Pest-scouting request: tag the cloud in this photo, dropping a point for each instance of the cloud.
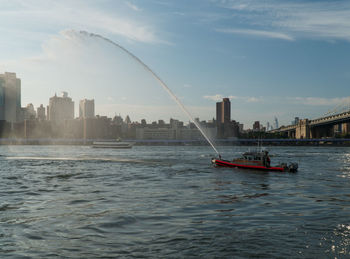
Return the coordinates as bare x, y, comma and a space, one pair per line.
133, 6
317, 19
258, 33
216, 98
219, 97
44, 15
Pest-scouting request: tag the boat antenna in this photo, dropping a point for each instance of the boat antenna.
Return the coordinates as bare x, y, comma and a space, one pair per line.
259, 142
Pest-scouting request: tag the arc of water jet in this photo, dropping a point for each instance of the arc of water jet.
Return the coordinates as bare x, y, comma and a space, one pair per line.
160, 81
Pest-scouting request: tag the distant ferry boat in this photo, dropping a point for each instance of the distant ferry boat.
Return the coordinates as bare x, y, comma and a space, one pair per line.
111, 144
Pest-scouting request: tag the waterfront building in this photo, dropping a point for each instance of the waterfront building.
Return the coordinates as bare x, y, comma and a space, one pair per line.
34, 129
165, 133
175, 130
87, 108
73, 129
60, 108
155, 133
187, 133
175, 123
10, 97
99, 127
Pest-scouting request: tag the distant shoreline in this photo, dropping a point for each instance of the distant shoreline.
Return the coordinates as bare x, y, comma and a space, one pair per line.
232, 142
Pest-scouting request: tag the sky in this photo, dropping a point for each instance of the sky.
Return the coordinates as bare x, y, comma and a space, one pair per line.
281, 59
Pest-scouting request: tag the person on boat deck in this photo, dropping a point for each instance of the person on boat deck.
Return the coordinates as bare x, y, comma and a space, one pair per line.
267, 159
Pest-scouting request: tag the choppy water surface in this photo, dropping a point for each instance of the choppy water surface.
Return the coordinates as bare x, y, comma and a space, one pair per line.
79, 202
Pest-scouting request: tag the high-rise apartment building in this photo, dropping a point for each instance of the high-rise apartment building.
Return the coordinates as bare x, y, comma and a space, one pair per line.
87, 108
10, 97
60, 108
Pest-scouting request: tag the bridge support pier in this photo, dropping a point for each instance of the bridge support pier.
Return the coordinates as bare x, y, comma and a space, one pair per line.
345, 129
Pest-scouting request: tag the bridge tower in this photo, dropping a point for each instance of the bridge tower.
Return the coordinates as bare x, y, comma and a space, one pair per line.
302, 130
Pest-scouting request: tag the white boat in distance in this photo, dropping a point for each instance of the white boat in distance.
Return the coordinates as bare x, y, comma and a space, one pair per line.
112, 144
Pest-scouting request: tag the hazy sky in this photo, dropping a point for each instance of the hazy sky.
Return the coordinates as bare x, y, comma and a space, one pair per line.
272, 58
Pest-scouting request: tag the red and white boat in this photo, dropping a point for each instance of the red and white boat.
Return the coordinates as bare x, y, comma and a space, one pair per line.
255, 160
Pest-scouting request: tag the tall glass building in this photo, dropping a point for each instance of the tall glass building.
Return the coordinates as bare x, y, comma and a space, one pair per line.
10, 97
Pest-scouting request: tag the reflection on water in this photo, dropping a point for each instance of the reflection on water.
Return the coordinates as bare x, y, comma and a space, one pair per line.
86, 159
78, 202
338, 241
345, 169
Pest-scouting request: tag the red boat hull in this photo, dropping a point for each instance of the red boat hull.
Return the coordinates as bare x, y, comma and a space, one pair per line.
225, 163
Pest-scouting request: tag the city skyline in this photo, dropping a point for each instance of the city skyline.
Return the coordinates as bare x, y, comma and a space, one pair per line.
272, 59
62, 108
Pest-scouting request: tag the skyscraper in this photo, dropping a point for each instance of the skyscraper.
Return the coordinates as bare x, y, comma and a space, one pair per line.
87, 108
10, 97
276, 123
60, 108
223, 111
28, 113
256, 126
41, 113
223, 118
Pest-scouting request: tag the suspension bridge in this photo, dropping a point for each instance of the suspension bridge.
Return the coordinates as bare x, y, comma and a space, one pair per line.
334, 122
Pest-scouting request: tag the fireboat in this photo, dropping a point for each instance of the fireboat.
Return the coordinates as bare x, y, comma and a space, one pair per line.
257, 160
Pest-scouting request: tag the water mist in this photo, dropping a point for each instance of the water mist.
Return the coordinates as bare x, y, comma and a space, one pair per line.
165, 87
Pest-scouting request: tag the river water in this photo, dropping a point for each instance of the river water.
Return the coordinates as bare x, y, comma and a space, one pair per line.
169, 202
